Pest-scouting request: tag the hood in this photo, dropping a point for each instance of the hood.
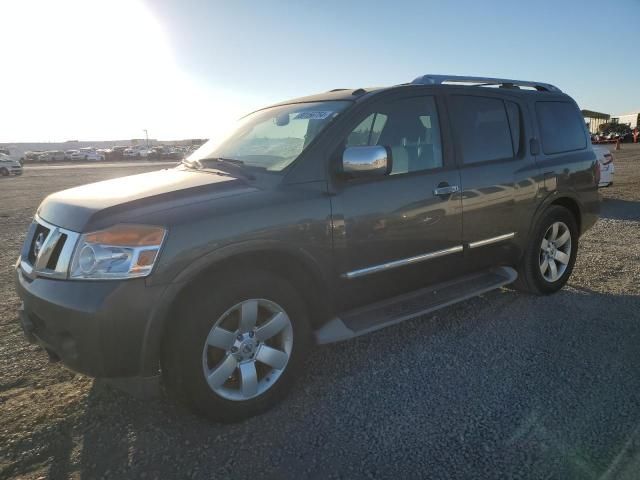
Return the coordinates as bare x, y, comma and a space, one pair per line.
80, 207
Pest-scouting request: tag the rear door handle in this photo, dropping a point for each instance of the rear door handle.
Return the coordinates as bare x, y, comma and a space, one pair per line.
448, 190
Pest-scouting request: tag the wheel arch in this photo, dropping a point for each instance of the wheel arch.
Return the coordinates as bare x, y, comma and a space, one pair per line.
295, 265
567, 200
573, 206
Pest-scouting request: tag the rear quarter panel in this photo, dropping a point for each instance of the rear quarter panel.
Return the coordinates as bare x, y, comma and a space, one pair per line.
568, 174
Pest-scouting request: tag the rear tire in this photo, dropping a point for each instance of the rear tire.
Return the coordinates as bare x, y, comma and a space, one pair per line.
217, 365
551, 253
4, 172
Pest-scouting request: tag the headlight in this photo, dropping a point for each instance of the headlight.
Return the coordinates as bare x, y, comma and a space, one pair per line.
121, 251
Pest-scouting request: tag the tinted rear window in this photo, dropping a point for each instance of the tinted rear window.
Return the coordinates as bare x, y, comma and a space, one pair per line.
482, 128
561, 127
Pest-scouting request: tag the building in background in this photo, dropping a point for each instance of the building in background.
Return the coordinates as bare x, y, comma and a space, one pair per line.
631, 119
595, 119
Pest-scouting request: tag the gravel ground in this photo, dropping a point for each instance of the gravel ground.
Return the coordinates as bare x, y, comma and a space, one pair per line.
504, 385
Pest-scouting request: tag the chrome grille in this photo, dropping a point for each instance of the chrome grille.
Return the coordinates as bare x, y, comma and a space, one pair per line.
48, 250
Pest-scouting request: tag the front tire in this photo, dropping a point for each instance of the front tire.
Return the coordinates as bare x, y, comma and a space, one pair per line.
236, 353
551, 253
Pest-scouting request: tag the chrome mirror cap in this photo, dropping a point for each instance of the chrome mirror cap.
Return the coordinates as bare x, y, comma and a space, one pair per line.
366, 161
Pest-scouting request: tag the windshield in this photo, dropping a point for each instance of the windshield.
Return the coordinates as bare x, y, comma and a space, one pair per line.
271, 138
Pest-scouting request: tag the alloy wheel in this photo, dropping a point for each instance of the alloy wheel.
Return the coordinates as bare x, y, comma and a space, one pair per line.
555, 251
247, 349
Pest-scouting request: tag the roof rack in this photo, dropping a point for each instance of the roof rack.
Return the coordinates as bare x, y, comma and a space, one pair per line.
482, 81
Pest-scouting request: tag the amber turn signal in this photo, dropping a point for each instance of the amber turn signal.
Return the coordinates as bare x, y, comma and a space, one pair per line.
128, 235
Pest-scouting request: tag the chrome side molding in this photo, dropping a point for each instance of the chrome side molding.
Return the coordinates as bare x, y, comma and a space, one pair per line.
402, 262
489, 241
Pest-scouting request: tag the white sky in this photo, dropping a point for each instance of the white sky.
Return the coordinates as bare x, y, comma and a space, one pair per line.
107, 69
78, 69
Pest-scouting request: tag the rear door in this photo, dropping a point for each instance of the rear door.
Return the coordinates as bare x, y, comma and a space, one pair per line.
499, 177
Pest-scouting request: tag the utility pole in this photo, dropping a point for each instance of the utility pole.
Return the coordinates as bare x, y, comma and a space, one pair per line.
146, 134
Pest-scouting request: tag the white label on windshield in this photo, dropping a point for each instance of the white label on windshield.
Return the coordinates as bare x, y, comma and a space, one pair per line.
312, 115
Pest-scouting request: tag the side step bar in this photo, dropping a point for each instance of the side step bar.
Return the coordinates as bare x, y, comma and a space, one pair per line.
388, 312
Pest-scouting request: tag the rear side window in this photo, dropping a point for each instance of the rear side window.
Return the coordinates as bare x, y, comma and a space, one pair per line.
482, 128
561, 127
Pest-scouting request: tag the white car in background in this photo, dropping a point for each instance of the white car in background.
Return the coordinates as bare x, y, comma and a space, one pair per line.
9, 166
69, 155
94, 156
605, 158
87, 154
52, 156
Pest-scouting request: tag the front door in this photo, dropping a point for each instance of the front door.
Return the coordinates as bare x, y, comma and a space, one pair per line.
404, 230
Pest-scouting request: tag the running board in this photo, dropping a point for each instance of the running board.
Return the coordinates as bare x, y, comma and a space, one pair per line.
403, 307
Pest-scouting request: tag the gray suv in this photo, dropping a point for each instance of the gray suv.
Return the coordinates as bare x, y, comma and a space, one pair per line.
316, 220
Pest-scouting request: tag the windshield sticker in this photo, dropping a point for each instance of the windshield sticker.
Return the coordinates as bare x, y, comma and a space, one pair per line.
312, 115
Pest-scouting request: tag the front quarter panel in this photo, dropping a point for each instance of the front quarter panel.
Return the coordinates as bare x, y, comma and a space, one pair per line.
294, 219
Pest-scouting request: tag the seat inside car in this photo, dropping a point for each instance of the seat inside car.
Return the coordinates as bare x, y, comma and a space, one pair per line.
407, 137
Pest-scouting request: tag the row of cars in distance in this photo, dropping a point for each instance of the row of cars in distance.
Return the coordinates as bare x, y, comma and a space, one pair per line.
118, 152
62, 155
81, 154
624, 137
160, 152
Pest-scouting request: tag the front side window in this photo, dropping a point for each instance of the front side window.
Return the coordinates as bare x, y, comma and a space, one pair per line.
561, 127
409, 127
482, 128
271, 139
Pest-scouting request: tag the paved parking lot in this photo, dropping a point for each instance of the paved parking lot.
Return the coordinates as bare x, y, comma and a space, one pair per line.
505, 385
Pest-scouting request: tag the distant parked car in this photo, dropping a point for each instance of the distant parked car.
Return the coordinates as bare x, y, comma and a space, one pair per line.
118, 151
68, 154
9, 166
137, 151
32, 156
107, 153
605, 158
87, 154
94, 156
52, 156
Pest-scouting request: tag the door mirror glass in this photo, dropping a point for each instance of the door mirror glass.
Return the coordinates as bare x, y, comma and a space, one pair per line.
366, 161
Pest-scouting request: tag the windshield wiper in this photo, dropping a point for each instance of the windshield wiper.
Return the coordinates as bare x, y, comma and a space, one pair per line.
229, 165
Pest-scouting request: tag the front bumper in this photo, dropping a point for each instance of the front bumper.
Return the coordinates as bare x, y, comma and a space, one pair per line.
94, 327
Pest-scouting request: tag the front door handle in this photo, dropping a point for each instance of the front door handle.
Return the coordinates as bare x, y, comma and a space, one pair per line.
446, 190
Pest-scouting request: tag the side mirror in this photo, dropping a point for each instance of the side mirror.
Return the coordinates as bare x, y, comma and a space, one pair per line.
366, 161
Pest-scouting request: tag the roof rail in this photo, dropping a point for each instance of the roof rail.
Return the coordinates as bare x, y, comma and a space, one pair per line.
503, 82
